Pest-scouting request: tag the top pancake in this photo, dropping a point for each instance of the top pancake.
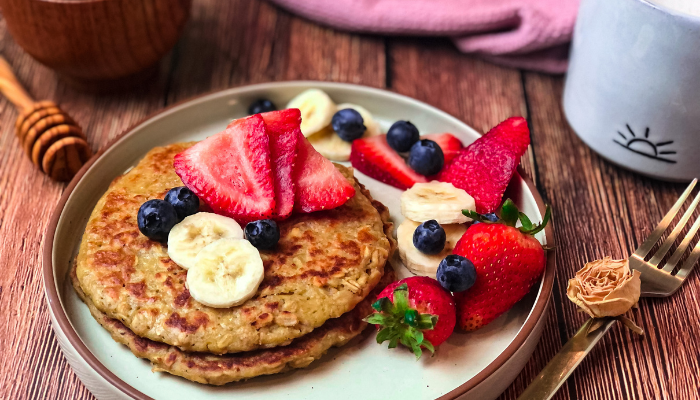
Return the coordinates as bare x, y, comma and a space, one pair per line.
325, 263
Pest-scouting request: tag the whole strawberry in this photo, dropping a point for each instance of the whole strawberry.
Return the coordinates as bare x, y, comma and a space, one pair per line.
416, 312
508, 261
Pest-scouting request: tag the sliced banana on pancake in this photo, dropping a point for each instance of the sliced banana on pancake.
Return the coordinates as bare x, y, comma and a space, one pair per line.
195, 232
331, 146
226, 273
418, 262
316, 109
440, 201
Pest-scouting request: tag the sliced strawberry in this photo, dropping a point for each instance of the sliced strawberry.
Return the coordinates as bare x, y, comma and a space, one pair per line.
231, 171
319, 184
373, 157
484, 168
283, 128
449, 144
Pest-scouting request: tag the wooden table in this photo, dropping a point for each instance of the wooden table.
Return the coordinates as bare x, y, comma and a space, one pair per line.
599, 209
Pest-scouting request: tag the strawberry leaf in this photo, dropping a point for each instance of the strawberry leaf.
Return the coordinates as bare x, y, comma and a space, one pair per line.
537, 228
509, 213
525, 221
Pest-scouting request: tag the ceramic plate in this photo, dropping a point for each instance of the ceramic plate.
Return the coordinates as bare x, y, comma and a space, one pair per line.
480, 364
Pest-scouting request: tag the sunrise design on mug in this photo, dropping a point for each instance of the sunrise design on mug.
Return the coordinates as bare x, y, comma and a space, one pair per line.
645, 147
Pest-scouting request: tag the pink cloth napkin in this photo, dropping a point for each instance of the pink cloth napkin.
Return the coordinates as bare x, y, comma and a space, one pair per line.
530, 34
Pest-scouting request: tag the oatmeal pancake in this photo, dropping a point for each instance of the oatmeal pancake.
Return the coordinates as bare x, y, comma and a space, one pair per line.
221, 369
324, 265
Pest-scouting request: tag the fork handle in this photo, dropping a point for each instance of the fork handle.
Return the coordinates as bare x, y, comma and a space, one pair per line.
555, 373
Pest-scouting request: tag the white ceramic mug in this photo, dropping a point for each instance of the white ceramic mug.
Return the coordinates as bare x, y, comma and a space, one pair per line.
632, 91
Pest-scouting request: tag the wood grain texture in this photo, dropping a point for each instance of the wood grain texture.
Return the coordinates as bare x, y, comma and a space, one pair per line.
599, 209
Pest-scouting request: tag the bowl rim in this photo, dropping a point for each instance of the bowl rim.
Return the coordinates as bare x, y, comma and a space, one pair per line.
54, 300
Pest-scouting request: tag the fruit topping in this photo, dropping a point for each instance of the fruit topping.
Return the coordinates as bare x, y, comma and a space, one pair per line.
508, 262
263, 234
183, 200
418, 262
261, 106
231, 171
449, 144
225, 273
429, 237
283, 130
330, 145
402, 135
156, 218
456, 273
348, 124
316, 108
484, 168
426, 157
373, 157
197, 231
416, 312
440, 201
319, 184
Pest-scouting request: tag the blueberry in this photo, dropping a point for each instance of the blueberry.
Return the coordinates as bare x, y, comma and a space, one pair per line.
156, 218
429, 237
456, 273
261, 106
263, 234
426, 157
348, 124
402, 135
183, 200
490, 216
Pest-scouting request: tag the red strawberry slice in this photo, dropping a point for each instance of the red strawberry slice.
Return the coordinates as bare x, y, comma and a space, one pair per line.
373, 157
231, 171
283, 129
484, 168
449, 144
319, 184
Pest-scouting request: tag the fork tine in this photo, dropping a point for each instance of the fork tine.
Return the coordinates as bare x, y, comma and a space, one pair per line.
648, 244
671, 264
689, 263
666, 246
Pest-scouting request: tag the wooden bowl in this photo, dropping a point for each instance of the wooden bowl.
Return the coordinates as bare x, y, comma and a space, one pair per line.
93, 41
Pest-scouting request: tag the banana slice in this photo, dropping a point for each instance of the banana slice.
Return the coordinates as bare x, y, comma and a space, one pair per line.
316, 108
420, 263
440, 201
331, 146
195, 232
226, 273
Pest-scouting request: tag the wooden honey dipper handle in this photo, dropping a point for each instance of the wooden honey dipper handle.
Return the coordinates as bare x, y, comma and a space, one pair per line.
50, 137
12, 89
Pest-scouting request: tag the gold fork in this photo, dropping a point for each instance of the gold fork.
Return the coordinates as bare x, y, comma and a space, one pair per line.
656, 282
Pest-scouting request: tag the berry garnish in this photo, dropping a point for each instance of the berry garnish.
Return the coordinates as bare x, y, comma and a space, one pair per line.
449, 144
508, 262
263, 234
402, 135
261, 106
429, 237
426, 157
373, 157
416, 312
484, 168
183, 200
284, 132
489, 217
156, 218
348, 124
456, 273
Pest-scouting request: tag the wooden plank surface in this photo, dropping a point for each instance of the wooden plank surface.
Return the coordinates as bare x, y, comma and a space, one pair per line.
599, 209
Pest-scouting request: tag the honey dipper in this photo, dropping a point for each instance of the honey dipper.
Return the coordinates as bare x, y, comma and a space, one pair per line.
53, 141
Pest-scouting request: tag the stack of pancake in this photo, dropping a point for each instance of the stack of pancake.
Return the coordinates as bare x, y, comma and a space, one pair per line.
319, 283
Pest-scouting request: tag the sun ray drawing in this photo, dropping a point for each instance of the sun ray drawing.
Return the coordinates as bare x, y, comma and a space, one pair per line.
644, 146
